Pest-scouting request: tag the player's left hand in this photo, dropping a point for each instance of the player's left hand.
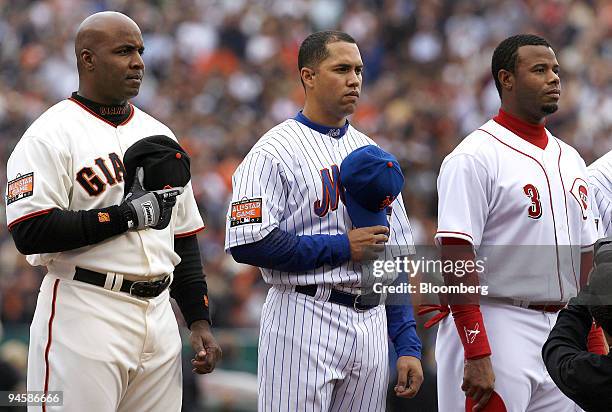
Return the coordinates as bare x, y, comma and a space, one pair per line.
207, 350
409, 376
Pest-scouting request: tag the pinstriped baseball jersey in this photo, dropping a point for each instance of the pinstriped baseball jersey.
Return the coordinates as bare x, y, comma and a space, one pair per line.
600, 180
290, 180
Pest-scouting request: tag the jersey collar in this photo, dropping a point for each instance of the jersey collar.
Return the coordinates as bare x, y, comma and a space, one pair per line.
533, 133
113, 115
335, 132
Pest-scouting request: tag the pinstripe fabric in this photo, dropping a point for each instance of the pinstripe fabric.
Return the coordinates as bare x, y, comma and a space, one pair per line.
313, 355
284, 169
600, 180
318, 356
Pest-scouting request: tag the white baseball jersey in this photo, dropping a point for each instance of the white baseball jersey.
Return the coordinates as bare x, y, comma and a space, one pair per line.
526, 210
600, 180
72, 160
290, 180
126, 347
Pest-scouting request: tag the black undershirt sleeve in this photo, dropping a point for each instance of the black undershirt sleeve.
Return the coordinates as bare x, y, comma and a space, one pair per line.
62, 230
189, 287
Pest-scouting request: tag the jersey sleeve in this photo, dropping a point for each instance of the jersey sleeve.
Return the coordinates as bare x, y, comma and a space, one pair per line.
400, 234
260, 191
38, 180
601, 203
188, 219
463, 192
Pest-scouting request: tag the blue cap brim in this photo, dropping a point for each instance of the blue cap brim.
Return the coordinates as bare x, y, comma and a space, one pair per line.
362, 217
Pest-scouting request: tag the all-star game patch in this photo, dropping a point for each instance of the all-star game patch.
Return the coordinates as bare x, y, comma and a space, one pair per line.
245, 212
20, 187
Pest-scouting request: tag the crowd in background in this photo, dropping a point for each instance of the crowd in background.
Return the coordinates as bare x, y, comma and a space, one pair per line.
220, 73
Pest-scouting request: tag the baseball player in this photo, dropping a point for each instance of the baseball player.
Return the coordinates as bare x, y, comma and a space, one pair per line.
600, 182
321, 348
103, 331
507, 184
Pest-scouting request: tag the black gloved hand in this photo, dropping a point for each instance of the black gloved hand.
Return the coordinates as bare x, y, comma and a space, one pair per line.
148, 209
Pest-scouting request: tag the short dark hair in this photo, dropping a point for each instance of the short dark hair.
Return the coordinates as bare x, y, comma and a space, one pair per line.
506, 54
314, 47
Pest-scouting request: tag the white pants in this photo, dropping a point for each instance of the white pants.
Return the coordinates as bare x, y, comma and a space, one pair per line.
107, 351
516, 336
320, 356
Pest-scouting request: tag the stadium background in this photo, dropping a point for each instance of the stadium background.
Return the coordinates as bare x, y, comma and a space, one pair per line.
221, 73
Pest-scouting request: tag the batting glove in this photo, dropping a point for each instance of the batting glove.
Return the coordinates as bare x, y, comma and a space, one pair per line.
152, 209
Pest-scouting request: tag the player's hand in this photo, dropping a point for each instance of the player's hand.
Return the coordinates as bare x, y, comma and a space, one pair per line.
207, 351
150, 209
366, 242
478, 381
409, 376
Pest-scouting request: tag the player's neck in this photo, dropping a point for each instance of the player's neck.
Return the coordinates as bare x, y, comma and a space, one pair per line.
322, 118
115, 114
533, 133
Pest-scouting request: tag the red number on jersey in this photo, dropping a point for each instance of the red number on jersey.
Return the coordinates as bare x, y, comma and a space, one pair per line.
535, 210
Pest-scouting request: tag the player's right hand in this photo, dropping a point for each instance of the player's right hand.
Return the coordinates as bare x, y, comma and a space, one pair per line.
478, 381
149, 209
366, 242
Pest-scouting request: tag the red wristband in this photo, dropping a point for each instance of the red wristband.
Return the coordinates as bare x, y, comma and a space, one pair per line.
595, 341
470, 325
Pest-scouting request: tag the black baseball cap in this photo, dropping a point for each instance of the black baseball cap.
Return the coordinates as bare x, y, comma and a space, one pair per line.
164, 161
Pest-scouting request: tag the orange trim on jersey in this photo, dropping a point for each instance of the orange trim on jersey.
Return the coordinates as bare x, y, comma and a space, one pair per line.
455, 233
550, 200
193, 232
28, 216
49, 339
102, 118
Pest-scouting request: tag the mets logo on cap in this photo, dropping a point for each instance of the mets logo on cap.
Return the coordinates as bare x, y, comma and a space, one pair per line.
372, 179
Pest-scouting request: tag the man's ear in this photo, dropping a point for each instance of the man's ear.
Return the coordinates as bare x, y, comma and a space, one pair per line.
307, 74
88, 59
506, 79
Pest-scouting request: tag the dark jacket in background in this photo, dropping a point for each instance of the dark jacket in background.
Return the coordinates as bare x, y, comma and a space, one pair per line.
584, 377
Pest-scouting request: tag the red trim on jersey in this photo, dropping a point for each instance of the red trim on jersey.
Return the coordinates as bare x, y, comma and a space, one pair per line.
532, 133
549, 197
102, 118
569, 236
193, 232
455, 233
49, 339
28, 216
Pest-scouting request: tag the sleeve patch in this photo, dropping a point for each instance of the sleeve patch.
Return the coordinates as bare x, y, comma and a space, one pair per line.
20, 187
246, 211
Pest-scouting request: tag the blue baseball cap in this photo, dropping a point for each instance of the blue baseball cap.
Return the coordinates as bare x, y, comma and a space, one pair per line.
372, 179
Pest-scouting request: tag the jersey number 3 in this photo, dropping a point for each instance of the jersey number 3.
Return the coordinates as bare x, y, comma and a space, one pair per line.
534, 211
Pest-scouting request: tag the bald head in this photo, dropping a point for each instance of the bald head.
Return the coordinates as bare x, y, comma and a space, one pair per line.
98, 28
108, 49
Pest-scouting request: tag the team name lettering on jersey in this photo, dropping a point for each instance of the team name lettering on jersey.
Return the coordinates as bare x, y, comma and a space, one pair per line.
92, 183
331, 193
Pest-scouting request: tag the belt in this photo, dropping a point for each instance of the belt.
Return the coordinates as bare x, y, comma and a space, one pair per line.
551, 308
138, 288
341, 298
